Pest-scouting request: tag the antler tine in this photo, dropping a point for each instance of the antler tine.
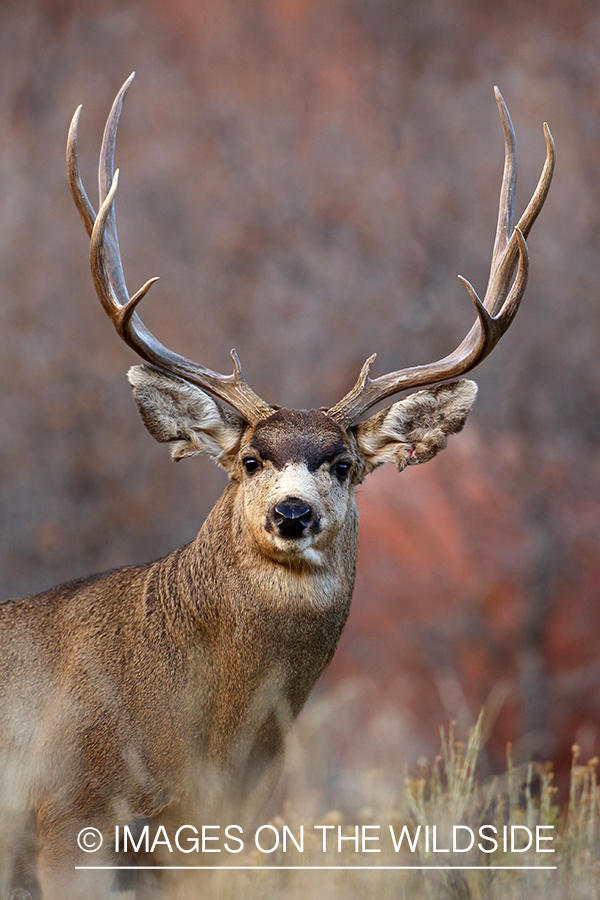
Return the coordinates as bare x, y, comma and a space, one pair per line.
109, 280
506, 205
499, 306
106, 173
82, 202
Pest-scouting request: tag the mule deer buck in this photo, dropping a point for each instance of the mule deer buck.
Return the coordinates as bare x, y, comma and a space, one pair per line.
162, 693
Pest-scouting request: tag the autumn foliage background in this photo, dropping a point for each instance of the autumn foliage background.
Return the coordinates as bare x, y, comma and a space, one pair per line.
308, 178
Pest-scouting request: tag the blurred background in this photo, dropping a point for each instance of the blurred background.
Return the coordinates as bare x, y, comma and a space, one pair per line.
308, 178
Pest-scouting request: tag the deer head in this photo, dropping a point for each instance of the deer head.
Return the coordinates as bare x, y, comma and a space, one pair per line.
296, 469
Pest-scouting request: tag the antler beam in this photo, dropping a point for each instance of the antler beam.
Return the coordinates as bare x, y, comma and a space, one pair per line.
109, 280
499, 306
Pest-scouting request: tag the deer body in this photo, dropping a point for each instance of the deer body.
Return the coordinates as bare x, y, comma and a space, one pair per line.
163, 692
188, 640
175, 682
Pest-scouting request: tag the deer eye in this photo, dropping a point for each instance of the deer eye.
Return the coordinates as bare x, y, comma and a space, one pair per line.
251, 464
341, 469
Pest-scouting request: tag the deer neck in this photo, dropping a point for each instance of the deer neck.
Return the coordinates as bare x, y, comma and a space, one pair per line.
223, 575
252, 625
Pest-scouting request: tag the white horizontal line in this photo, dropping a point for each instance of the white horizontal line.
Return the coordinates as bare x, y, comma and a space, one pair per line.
314, 868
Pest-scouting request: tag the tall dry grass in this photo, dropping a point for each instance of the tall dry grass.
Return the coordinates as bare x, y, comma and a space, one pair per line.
447, 792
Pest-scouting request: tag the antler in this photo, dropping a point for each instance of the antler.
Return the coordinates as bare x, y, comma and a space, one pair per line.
109, 280
499, 306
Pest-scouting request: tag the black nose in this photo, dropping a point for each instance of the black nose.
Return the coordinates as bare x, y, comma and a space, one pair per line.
292, 517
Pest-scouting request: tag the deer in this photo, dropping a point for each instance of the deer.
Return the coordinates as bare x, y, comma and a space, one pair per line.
162, 693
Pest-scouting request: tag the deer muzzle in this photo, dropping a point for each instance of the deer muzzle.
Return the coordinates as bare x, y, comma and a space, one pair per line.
292, 517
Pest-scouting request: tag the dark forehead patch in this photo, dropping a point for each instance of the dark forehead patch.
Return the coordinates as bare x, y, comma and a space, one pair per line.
297, 435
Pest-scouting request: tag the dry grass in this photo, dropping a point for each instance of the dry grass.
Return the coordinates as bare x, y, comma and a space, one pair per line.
445, 793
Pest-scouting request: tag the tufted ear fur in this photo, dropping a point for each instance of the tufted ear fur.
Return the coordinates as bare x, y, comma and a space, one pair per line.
415, 428
183, 415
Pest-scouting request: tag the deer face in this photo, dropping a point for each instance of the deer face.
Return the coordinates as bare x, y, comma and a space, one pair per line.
297, 469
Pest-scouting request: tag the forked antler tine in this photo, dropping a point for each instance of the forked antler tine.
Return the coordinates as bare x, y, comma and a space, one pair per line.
504, 256
122, 314
499, 306
489, 328
107, 272
120, 310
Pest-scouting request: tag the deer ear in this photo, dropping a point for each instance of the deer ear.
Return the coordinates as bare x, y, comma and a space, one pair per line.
184, 416
415, 428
